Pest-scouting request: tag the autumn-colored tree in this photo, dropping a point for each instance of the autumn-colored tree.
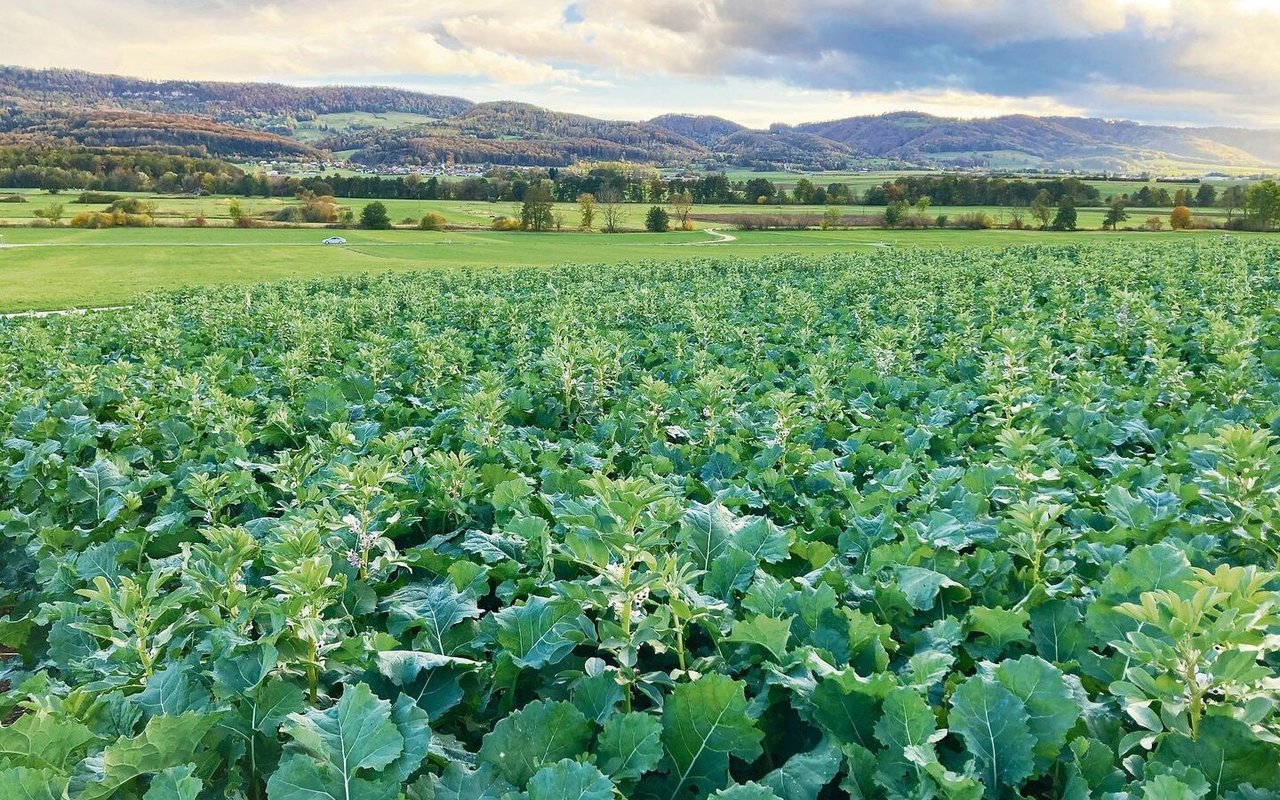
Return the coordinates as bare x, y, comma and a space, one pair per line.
681, 205
1180, 219
587, 205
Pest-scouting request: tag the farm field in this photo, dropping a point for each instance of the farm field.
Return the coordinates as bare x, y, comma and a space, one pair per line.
182, 209
951, 523
57, 268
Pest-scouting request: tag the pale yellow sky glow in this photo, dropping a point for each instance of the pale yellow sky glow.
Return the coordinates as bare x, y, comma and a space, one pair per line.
1183, 62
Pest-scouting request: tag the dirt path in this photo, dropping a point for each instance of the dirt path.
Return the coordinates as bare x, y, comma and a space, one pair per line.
61, 312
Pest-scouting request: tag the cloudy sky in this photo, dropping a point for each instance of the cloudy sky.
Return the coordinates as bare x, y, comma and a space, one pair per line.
754, 61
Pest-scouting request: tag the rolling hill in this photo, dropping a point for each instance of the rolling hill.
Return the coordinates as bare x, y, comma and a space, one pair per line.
384, 126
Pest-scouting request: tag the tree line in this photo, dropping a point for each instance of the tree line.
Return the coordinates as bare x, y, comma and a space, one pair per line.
118, 170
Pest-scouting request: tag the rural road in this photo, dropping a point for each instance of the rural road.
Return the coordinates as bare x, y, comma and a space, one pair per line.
61, 312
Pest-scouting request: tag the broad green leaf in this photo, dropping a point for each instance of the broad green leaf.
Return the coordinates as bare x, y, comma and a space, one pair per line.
165, 742
703, 723
39, 740
95, 485
846, 710
629, 745
859, 772
174, 783
509, 493
1001, 627
995, 727
435, 608
568, 780
769, 633
1052, 710
1227, 752
906, 723
173, 691
1167, 787
25, 783
300, 777
332, 748
240, 673
597, 696
705, 533
746, 791
1058, 632
764, 541
270, 703
928, 668
540, 733
921, 586
1173, 782
411, 721
541, 631
805, 774
326, 401
433, 681
457, 782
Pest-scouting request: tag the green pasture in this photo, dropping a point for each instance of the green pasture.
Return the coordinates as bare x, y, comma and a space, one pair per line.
182, 209
325, 125
53, 268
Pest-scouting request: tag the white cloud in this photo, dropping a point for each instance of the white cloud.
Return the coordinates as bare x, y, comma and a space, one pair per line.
785, 60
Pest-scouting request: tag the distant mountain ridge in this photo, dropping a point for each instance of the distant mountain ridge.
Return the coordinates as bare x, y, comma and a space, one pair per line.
383, 126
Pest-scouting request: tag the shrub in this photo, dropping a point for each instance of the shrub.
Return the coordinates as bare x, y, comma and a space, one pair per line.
975, 221
130, 205
895, 214
13, 198
657, 220
96, 198
374, 217
432, 221
505, 223
1154, 224
1180, 219
199, 221
941, 221
111, 219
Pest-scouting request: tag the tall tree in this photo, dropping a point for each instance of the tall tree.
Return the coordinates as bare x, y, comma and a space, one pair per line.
1065, 219
611, 209
587, 205
1042, 208
1262, 204
1231, 200
1115, 214
374, 217
1206, 195
804, 191
682, 205
536, 210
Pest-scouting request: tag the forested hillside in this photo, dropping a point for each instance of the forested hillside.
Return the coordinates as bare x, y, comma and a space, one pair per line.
385, 126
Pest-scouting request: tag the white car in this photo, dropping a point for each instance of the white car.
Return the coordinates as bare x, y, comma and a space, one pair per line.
334, 240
